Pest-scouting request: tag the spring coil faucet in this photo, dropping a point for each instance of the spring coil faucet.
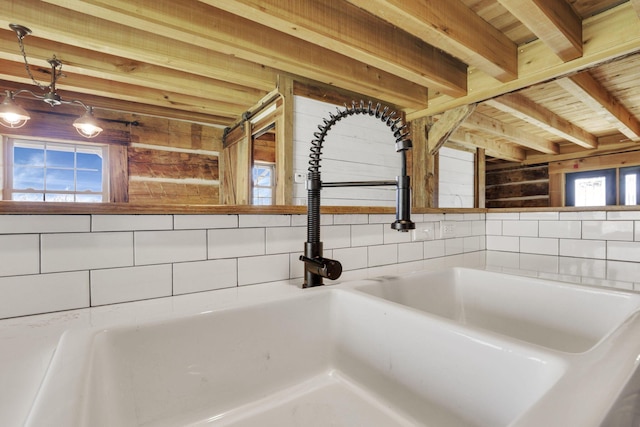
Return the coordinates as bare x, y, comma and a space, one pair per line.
316, 267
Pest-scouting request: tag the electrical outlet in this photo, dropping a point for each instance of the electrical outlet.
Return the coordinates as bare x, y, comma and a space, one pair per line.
447, 229
299, 177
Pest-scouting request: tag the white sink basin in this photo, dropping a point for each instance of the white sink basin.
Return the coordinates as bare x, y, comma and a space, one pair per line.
325, 357
560, 316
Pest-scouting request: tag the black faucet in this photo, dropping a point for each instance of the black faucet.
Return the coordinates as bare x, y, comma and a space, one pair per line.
317, 267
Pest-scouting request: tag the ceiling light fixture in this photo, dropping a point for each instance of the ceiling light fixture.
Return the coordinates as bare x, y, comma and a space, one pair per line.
14, 116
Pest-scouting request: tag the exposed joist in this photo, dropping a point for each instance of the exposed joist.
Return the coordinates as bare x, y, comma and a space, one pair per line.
636, 6
611, 35
117, 69
495, 127
590, 92
454, 28
349, 30
525, 109
492, 147
200, 30
440, 131
552, 21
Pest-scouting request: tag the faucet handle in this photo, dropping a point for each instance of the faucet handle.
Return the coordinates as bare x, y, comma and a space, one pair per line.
325, 267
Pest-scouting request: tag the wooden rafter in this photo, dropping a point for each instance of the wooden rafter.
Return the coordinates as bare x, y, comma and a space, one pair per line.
589, 91
523, 108
349, 30
454, 28
193, 30
553, 21
495, 127
611, 34
492, 147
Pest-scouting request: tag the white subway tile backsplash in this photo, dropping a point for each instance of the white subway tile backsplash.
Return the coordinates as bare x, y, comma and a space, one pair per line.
20, 254
503, 215
381, 219
636, 235
351, 219
493, 227
478, 228
520, 228
85, 251
539, 245
351, 258
43, 293
583, 215
131, 222
336, 236
583, 267
560, 229
24, 224
285, 239
367, 235
264, 220
186, 222
628, 215
583, 248
607, 230
622, 270
395, 236
236, 242
201, 276
623, 251
503, 243
454, 246
258, 269
382, 255
413, 251
159, 247
434, 249
540, 216
116, 285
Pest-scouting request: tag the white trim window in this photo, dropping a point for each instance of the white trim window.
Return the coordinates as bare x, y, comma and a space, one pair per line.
46, 171
264, 182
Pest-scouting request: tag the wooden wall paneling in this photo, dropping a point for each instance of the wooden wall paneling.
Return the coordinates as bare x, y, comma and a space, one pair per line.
118, 174
150, 163
525, 186
172, 192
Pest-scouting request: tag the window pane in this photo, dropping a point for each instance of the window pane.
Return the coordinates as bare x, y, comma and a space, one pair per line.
60, 179
28, 197
53, 197
89, 181
630, 191
591, 191
25, 177
60, 159
89, 198
28, 156
90, 161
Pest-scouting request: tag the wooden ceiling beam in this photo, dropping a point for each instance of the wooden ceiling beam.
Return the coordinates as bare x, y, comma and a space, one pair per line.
122, 70
611, 34
523, 108
349, 30
552, 21
494, 148
495, 127
453, 27
138, 46
589, 91
201, 29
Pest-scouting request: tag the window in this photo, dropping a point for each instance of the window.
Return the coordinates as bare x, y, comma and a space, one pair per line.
630, 185
263, 183
591, 188
56, 172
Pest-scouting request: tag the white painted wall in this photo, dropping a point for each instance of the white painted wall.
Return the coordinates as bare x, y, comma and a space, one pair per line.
456, 184
358, 148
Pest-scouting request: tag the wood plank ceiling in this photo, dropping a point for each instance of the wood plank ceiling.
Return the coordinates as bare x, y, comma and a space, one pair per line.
546, 78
